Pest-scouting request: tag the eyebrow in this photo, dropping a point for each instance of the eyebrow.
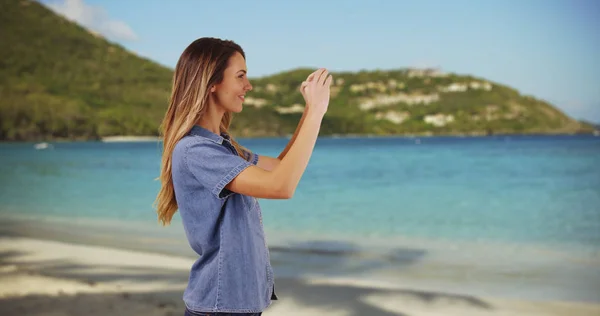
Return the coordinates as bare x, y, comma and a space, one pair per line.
243, 71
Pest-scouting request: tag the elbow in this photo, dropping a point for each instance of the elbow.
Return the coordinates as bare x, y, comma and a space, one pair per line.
281, 186
288, 194
284, 192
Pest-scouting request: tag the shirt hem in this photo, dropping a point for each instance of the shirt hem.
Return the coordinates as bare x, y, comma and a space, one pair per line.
200, 309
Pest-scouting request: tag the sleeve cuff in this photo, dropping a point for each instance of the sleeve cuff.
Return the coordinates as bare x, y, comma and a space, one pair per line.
219, 190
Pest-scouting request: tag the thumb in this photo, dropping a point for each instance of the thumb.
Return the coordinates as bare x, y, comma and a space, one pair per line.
303, 86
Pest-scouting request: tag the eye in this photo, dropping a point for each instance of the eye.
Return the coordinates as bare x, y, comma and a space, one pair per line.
241, 76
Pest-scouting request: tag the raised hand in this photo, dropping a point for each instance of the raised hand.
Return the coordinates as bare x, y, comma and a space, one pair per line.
316, 91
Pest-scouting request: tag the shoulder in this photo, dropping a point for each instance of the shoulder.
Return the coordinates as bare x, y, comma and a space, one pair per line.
197, 146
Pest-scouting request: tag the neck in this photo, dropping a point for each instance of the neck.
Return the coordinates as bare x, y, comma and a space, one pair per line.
211, 119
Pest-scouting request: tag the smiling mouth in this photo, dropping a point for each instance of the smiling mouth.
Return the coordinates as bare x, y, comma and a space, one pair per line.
241, 97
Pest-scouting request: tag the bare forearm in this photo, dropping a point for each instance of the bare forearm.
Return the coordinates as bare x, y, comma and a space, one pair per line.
293, 139
288, 173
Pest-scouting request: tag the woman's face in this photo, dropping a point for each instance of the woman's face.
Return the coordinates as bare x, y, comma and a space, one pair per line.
230, 93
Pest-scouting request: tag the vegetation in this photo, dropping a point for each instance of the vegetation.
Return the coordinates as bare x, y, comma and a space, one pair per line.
61, 81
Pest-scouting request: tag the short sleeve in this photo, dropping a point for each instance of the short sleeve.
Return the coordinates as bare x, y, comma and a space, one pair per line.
214, 166
252, 157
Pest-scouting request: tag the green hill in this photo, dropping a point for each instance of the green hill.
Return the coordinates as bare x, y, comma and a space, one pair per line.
61, 81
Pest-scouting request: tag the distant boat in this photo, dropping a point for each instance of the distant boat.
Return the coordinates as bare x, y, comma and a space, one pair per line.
41, 146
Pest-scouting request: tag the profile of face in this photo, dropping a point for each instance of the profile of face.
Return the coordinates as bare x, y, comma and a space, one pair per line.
230, 93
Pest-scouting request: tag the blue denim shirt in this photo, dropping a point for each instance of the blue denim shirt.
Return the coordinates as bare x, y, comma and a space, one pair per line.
232, 273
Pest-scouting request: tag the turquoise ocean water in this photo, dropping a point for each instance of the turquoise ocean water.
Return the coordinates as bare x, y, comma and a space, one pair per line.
536, 199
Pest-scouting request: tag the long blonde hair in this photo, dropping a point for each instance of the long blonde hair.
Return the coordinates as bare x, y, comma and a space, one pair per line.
200, 66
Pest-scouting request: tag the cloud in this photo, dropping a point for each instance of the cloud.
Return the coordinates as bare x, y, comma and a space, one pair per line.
93, 18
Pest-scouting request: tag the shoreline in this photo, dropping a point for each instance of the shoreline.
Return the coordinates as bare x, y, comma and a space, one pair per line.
71, 279
126, 138
51, 226
129, 138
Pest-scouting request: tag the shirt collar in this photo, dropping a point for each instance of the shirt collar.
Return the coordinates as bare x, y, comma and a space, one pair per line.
198, 130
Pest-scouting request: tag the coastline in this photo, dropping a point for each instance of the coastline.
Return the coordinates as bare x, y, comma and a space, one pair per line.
477, 134
125, 138
129, 138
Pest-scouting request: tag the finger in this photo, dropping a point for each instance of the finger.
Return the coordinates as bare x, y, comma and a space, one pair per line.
303, 88
323, 77
319, 75
315, 72
311, 77
328, 81
303, 85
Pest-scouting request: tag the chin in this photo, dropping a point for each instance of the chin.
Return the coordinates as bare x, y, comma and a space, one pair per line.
239, 108
235, 108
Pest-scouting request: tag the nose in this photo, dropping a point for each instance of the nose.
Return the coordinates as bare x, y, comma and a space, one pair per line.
248, 86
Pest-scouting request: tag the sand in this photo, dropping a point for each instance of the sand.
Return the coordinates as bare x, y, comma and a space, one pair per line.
125, 138
42, 277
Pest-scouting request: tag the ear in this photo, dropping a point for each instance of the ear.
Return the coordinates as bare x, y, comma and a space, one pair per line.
213, 88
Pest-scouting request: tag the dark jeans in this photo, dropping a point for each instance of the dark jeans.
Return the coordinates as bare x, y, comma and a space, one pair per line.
190, 313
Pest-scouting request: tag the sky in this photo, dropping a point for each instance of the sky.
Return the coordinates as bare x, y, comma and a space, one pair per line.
548, 49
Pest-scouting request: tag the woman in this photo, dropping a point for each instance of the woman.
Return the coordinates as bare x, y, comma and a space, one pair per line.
214, 182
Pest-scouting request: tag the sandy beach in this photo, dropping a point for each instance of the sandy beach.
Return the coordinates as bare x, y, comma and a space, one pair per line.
44, 277
126, 138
